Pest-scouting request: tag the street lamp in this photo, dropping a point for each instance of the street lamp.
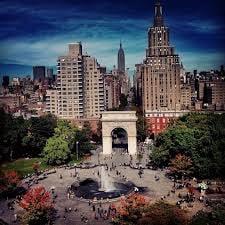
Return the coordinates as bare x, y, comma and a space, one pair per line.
77, 143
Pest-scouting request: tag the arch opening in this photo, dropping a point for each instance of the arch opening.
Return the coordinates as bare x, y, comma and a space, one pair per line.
119, 140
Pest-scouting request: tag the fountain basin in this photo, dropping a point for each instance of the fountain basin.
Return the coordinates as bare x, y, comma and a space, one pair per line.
91, 189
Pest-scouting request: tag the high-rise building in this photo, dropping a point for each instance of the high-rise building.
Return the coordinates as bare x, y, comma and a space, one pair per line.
80, 87
138, 84
50, 73
112, 90
39, 73
121, 60
70, 81
5, 81
212, 94
160, 74
93, 88
186, 97
52, 102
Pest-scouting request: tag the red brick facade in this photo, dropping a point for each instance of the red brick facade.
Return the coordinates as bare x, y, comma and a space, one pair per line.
157, 122
157, 125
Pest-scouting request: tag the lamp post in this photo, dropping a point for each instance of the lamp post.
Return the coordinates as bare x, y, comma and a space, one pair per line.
77, 144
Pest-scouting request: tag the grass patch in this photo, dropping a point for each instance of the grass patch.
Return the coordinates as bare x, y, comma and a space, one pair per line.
23, 166
74, 160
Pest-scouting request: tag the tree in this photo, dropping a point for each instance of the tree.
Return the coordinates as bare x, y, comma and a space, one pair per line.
160, 156
130, 210
87, 130
38, 205
59, 148
10, 184
201, 137
84, 142
14, 129
9, 180
5, 120
141, 128
136, 210
56, 151
38, 131
12, 179
164, 214
97, 137
214, 217
181, 165
20, 138
36, 199
66, 132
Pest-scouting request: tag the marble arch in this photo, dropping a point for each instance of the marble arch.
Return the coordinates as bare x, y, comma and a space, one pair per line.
119, 119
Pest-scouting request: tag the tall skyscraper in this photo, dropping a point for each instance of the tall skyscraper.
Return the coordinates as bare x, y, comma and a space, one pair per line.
121, 60
80, 88
93, 88
160, 74
49, 72
112, 90
5, 81
39, 73
70, 83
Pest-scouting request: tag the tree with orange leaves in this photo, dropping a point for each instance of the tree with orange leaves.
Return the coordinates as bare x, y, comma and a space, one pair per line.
162, 213
9, 180
12, 178
136, 210
130, 210
38, 205
181, 165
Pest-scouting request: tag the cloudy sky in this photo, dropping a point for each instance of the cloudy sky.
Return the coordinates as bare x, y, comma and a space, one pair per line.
35, 32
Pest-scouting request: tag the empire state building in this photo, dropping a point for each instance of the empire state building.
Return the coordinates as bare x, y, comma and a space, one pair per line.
121, 60
160, 71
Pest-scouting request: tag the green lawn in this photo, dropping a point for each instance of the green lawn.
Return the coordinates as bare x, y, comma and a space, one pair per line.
74, 159
23, 166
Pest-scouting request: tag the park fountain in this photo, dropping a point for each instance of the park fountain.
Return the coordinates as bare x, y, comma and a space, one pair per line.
105, 187
106, 181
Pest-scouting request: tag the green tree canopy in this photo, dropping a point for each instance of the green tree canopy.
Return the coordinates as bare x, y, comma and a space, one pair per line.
198, 136
68, 138
11, 134
39, 129
56, 151
214, 217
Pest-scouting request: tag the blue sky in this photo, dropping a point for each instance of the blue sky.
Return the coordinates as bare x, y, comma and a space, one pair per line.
37, 32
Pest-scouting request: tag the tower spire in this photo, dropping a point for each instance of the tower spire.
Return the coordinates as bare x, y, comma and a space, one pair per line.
121, 59
158, 19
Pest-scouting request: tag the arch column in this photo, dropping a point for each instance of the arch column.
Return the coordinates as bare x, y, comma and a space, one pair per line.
107, 145
132, 145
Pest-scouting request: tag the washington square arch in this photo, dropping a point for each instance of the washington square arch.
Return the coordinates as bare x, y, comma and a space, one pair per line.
125, 120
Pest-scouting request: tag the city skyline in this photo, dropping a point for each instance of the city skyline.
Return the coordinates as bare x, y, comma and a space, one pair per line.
43, 30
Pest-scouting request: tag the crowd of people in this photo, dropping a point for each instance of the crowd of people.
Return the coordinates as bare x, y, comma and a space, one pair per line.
105, 211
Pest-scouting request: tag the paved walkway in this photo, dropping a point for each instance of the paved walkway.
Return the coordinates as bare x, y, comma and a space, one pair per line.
154, 189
